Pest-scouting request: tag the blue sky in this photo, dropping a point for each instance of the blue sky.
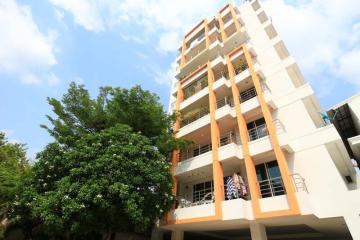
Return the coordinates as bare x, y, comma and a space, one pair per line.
44, 45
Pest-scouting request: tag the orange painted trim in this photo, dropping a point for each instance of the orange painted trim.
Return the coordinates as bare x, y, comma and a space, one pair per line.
182, 59
194, 28
233, 52
233, 15
222, 30
193, 73
218, 173
249, 163
207, 37
176, 152
280, 157
193, 220
223, 8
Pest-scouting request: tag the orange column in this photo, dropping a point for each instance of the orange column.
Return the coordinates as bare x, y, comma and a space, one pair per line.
249, 164
233, 14
176, 152
183, 49
207, 38
222, 30
284, 170
218, 174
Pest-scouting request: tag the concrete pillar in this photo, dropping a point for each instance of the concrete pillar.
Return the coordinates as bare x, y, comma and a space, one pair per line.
177, 235
258, 231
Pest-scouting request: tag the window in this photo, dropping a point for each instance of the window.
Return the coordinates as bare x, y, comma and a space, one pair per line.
257, 129
255, 5
201, 189
281, 50
270, 31
262, 17
270, 181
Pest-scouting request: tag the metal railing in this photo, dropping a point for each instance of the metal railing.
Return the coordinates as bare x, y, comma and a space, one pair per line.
247, 94
199, 114
257, 132
219, 75
261, 130
225, 101
271, 187
242, 67
299, 182
194, 53
230, 137
197, 150
196, 87
194, 151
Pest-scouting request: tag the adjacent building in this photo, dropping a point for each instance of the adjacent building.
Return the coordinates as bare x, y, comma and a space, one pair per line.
263, 163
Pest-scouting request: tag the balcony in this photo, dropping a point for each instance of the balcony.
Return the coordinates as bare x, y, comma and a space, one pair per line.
199, 156
247, 95
261, 130
194, 116
194, 151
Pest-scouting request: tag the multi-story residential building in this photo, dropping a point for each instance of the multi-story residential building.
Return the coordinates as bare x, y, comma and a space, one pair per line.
263, 163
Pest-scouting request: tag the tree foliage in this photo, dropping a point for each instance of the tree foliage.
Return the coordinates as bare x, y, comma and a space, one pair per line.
107, 169
13, 167
78, 114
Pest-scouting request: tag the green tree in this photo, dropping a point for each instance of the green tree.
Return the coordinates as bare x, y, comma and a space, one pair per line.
77, 114
107, 169
13, 167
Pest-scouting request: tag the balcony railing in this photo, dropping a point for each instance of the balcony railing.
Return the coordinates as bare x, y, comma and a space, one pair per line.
197, 150
219, 75
261, 130
299, 182
271, 187
194, 151
248, 94
195, 116
228, 138
240, 68
258, 132
196, 87
225, 101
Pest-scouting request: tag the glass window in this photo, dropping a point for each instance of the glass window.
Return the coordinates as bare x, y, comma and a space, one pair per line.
270, 181
201, 189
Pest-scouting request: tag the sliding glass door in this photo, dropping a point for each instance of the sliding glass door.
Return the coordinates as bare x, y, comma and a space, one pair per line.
269, 178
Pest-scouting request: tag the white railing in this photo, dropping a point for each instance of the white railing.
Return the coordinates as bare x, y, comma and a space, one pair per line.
261, 130
197, 150
257, 132
184, 202
230, 137
221, 74
299, 182
247, 94
199, 114
271, 187
194, 151
224, 101
239, 69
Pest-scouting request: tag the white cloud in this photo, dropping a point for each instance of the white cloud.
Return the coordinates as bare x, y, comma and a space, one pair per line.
169, 42
167, 76
85, 13
164, 19
323, 36
25, 52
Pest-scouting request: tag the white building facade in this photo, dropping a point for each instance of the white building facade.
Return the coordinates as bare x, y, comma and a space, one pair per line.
263, 163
